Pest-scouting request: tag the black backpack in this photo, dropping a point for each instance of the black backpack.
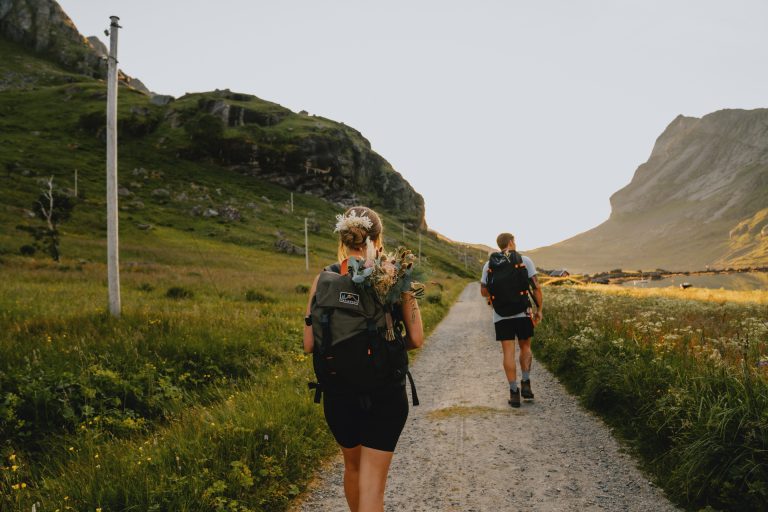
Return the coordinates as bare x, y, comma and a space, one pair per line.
351, 355
508, 283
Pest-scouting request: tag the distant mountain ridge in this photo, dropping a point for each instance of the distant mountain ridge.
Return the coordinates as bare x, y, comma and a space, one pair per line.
700, 200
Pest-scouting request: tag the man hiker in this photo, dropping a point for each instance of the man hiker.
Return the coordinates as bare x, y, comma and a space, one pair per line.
509, 282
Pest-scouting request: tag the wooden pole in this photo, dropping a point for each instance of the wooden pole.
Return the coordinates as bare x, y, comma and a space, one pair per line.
291, 202
113, 263
306, 244
76, 194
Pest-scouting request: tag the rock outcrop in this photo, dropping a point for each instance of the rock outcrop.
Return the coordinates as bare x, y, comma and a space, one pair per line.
304, 153
698, 201
43, 26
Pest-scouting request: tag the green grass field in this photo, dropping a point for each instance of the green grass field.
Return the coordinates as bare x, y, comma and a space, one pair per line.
181, 401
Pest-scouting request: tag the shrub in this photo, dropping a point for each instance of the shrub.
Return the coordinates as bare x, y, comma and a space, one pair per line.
302, 288
435, 298
257, 296
178, 292
27, 250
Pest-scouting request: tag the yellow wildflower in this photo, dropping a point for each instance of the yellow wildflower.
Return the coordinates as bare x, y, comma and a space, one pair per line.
12, 457
14, 467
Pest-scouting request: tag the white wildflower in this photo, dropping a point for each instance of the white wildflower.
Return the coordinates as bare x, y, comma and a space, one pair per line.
345, 222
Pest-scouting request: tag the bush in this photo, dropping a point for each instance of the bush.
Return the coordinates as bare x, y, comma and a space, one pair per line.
146, 287
178, 292
27, 250
257, 296
435, 298
302, 288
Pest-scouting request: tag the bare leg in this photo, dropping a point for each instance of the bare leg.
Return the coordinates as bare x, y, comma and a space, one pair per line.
352, 477
526, 356
374, 466
508, 351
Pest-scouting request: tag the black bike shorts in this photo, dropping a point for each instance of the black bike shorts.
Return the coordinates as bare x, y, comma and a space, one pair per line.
511, 328
374, 421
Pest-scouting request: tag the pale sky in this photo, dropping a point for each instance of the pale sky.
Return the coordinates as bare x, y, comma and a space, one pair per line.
506, 115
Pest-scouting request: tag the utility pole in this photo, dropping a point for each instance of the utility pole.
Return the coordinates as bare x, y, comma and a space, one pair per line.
113, 260
306, 244
76, 195
291, 202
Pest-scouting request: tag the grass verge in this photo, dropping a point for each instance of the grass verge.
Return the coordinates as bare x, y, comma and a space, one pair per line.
684, 381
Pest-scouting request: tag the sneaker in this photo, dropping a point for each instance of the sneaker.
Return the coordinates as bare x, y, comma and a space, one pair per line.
514, 398
525, 389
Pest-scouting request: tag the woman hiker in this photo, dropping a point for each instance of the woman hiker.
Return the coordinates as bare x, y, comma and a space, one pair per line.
365, 425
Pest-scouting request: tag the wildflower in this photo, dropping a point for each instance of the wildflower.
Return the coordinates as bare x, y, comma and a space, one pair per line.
14, 467
71, 448
12, 457
344, 222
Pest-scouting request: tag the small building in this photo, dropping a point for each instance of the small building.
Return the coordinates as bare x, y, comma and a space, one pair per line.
559, 273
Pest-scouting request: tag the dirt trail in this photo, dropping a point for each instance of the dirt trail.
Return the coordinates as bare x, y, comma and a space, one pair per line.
464, 449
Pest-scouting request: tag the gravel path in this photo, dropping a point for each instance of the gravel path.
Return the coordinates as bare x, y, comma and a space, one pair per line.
464, 449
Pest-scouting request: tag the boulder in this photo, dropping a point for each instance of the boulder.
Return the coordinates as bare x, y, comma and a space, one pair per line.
230, 213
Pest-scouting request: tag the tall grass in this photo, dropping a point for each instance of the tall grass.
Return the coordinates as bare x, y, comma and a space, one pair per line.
685, 381
196, 403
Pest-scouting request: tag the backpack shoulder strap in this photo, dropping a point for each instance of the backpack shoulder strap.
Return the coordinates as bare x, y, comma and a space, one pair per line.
336, 267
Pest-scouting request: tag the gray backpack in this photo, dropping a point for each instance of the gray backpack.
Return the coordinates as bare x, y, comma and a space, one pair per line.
351, 353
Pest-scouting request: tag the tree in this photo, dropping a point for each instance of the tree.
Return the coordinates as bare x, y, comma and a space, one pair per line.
54, 208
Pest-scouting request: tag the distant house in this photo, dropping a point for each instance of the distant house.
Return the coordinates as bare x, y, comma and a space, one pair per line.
559, 273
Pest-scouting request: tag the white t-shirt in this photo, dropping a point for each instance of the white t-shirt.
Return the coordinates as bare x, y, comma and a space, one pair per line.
530, 267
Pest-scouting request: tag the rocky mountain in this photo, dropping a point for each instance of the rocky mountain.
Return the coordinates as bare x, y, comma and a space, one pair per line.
43, 26
231, 131
700, 200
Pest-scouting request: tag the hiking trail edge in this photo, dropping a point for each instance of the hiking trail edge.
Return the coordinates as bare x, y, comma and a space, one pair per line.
465, 449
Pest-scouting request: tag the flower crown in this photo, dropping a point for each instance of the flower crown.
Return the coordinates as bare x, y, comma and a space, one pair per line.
345, 222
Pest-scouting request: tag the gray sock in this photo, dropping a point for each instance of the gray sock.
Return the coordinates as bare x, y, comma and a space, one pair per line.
526, 375
513, 386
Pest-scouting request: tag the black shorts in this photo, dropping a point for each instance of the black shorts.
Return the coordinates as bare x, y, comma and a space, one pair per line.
376, 424
511, 328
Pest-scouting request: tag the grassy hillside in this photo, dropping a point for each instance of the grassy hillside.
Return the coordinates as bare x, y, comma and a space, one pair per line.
195, 399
